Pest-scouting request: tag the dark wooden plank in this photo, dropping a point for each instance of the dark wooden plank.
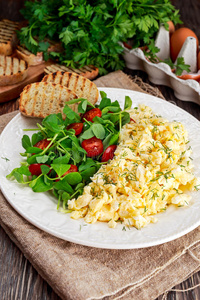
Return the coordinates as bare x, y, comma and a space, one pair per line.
7, 107
34, 74
19, 280
10, 9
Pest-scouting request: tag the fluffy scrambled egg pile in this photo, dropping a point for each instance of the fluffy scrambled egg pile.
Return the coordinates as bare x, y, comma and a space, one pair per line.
152, 168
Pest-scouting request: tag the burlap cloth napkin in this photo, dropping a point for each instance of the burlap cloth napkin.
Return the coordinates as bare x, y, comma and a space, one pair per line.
79, 272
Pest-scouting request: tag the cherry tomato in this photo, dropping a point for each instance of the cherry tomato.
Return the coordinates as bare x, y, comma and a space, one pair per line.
93, 146
35, 169
78, 127
108, 153
94, 112
42, 144
132, 120
72, 168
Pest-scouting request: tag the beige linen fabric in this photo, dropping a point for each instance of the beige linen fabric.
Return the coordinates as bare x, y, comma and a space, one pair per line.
79, 272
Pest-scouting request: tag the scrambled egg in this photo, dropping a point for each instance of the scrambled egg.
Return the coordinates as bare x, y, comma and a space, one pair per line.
151, 169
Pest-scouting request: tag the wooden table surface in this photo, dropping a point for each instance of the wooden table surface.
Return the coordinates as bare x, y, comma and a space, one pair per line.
18, 279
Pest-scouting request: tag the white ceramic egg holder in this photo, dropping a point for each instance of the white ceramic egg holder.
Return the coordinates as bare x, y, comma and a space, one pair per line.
160, 73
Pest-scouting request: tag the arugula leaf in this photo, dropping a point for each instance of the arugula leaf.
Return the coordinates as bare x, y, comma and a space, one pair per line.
98, 130
125, 118
63, 185
65, 197
110, 108
127, 103
104, 102
73, 178
82, 106
79, 186
87, 174
87, 134
87, 164
81, 100
70, 114
62, 159
42, 159
52, 122
33, 150
32, 159
45, 170
60, 169
26, 141
38, 185
36, 137
76, 154
104, 120
106, 141
103, 95
114, 139
18, 173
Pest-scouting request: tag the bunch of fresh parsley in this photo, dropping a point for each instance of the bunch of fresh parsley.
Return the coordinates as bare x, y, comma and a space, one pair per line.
90, 31
65, 148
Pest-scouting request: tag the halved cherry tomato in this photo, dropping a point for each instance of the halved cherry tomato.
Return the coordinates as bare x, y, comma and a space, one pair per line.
42, 144
78, 127
94, 112
72, 168
93, 146
132, 120
108, 153
35, 169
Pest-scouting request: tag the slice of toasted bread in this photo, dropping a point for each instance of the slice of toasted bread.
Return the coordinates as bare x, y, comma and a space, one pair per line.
83, 87
29, 57
89, 72
12, 70
41, 99
8, 36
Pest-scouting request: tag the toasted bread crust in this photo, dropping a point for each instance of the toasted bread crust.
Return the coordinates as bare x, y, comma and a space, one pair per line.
12, 70
41, 99
29, 57
8, 36
89, 72
83, 87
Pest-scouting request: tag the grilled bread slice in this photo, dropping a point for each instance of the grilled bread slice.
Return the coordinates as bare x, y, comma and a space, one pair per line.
8, 36
29, 57
41, 99
12, 70
89, 72
83, 87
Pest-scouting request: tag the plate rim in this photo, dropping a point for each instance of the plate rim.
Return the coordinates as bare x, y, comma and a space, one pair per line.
97, 244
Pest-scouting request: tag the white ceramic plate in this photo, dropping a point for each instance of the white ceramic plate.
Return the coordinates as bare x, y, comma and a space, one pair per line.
40, 208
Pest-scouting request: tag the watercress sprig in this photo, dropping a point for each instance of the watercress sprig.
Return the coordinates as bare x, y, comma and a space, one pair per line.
63, 148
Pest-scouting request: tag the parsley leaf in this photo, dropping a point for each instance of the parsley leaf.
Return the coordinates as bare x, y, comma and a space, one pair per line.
90, 31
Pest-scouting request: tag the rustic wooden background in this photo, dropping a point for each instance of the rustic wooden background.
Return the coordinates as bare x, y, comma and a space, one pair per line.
18, 279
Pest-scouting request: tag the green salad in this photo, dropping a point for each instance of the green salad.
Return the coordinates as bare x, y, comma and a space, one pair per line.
65, 152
